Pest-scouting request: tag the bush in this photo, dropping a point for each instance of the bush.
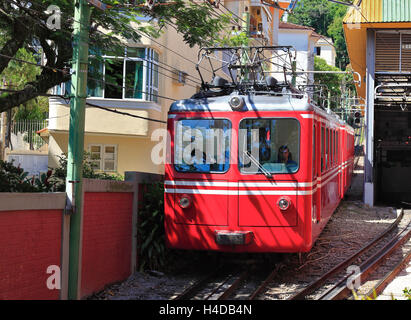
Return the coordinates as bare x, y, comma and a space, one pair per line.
58, 177
150, 229
14, 179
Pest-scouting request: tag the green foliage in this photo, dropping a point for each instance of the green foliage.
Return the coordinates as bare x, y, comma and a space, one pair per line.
326, 18
58, 178
15, 76
333, 81
195, 21
151, 235
35, 109
237, 40
14, 179
407, 293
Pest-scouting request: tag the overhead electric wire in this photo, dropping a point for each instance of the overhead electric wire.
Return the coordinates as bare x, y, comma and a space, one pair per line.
34, 64
124, 113
261, 42
67, 99
124, 87
91, 78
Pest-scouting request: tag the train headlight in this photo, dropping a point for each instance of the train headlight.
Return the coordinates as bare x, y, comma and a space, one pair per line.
185, 201
284, 203
236, 102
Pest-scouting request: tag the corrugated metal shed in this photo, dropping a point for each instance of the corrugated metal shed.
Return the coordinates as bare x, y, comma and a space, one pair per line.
369, 11
380, 11
396, 10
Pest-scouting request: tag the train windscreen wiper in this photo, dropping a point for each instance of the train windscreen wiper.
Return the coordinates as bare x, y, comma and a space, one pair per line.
258, 164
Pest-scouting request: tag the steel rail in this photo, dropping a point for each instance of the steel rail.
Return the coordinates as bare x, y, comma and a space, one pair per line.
389, 277
197, 286
264, 285
341, 291
227, 293
219, 286
319, 282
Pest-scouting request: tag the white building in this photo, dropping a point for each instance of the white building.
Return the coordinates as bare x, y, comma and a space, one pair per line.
304, 40
324, 48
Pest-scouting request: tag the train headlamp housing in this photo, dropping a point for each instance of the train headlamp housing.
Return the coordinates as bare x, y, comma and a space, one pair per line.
185, 201
284, 203
236, 102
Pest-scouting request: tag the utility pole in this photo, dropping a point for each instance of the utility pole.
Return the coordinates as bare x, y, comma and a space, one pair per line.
76, 140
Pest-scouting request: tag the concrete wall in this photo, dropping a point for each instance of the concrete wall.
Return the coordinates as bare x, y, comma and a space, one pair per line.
34, 163
34, 235
107, 239
30, 242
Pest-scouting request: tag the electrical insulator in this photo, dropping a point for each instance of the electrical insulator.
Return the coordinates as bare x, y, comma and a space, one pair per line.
357, 117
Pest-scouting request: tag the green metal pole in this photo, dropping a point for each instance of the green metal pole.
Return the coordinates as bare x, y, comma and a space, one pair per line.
76, 138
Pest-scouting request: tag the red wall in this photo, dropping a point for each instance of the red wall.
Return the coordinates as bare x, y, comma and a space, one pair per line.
30, 241
107, 237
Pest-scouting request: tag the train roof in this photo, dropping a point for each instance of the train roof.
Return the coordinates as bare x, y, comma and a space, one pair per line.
285, 102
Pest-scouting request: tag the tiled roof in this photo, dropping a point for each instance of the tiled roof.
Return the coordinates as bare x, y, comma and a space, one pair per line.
292, 26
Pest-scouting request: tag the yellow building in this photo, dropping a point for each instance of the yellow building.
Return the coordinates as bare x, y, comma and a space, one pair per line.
151, 74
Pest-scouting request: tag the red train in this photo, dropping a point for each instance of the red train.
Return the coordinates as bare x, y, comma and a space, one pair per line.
256, 172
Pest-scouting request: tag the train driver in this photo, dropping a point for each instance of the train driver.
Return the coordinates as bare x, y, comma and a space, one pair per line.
285, 156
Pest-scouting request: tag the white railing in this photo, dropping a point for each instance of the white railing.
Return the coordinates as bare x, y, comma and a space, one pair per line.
24, 134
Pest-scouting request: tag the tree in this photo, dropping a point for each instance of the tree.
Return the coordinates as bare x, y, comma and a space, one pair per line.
15, 76
327, 19
25, 24
331, 80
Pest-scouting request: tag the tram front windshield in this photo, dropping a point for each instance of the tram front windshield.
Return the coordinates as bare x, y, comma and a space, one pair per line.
202, 145
269, 146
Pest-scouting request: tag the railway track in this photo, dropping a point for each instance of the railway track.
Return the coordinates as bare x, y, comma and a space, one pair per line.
214, 286
226, 283
340, 289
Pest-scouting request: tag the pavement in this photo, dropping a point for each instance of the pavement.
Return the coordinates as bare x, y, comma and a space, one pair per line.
394, 291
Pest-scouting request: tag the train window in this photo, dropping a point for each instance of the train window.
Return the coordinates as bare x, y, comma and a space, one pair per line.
269, 145
331, 148
202, 145
327, 149
314, 145
322, 149
338, 148
335, 147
